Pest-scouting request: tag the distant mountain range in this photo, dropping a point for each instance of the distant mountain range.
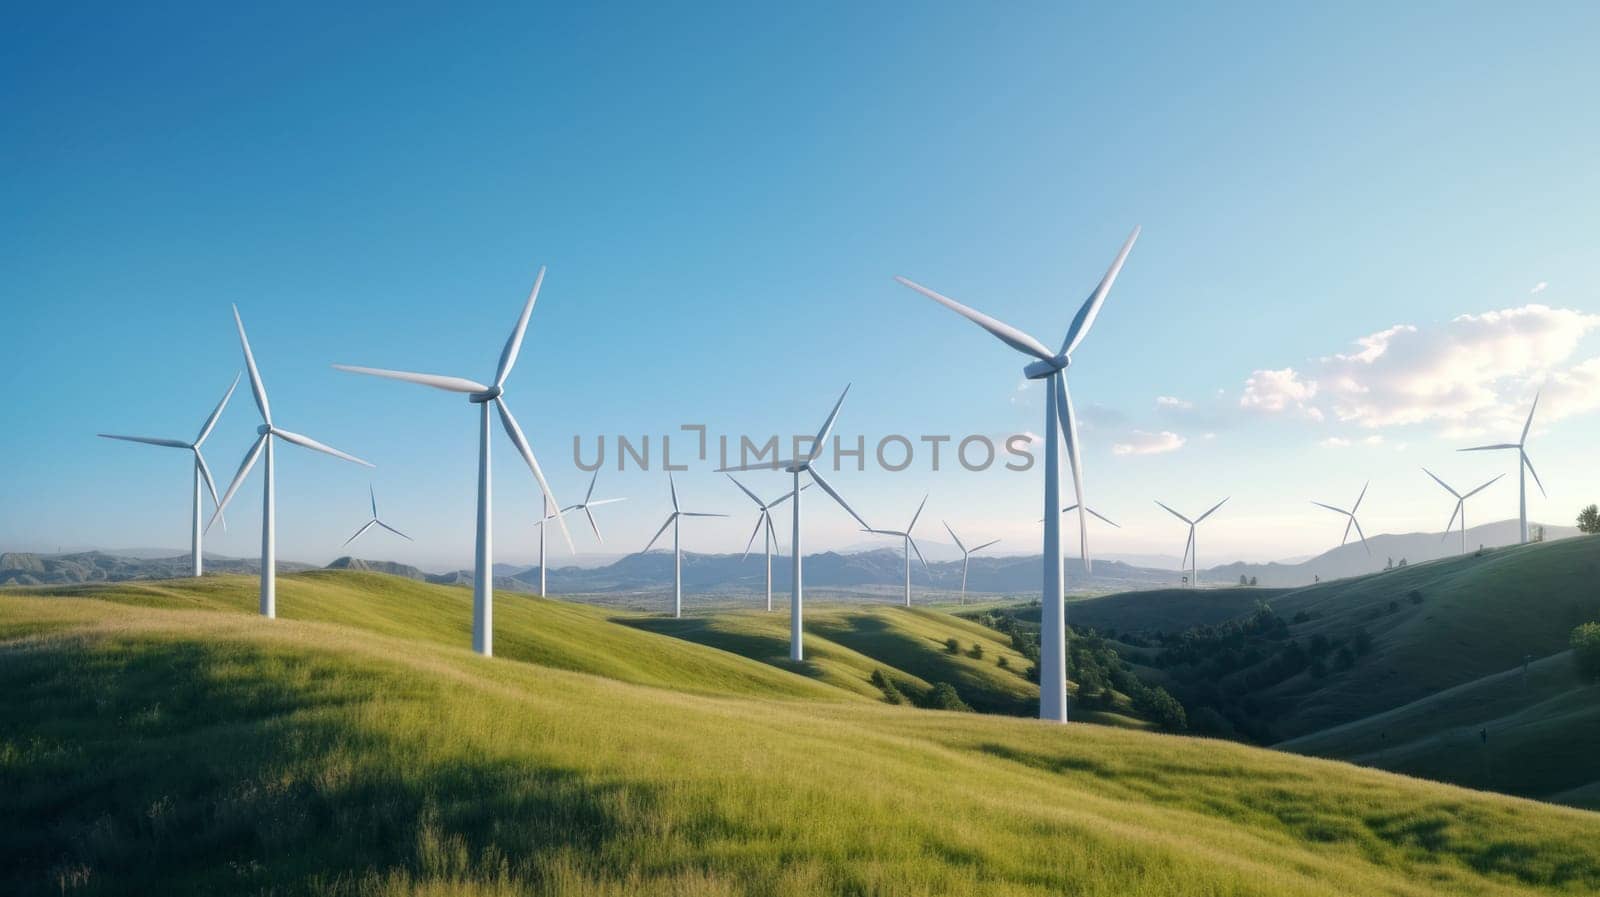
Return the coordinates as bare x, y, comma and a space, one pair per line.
866, 573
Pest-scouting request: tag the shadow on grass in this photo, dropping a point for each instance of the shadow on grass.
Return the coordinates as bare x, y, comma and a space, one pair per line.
873, 636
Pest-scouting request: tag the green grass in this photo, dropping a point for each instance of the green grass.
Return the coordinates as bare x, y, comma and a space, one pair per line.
160, 739
1543, 728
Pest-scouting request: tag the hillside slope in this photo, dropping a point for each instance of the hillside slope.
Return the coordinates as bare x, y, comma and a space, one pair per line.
189, 751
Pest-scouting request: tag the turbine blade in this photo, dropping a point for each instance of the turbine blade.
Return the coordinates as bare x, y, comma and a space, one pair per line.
827, 426
1453, 512
984, 545
774, 464
205, 429
1357, 506
885, 532
785, 497
1491, 448
1071, 507
211, 485
837, 497
521, 442
1441, 483
747, 492
670, 518
1186, 544
149, 440
508, 356
308, 442
1069, 430
1481, 488
1176, 514
1352, 522
913, 543
437, 381
1007, 334
674, 487
1528, 461
596, 504
593, 525
1361, 534
592, 480
1091, 307
1332, 508
369, 525
238, 478
1104, 518
777, 546
699, 514
1529, 425
761, 519
918, 514
257, 388
395, 531
1212, 511
955, 537
374, 496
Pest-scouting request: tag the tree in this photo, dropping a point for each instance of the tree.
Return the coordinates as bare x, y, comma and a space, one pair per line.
944, 697
1589, 520
1244, 580
1586, 649
1252, 582
951, 646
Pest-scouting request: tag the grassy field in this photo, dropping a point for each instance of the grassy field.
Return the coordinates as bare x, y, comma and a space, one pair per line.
161, 739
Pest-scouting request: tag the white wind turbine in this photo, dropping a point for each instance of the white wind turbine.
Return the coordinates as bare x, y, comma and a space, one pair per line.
795, 467
966, 556
375, 521
202, 473
677, 551
263, 445
1460, 508
764, 523
909, 546
1092, 512
1190, 548
484, 396
551, 513
1352, 515
1058, 414
1524, 466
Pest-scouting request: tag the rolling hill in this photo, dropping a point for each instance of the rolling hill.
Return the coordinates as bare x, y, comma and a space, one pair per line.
160, 738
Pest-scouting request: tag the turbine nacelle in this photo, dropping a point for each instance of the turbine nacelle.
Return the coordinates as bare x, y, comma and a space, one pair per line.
1040, 370
487, 395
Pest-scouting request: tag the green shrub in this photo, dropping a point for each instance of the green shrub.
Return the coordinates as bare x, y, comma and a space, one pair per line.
951, 646
977, 651
891, 692
1003, 663
945, 697
1586, 649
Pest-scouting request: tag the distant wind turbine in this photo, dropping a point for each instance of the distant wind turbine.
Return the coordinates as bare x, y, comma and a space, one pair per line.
910, 545
1092, 512
677, 550
1051, 367
1352, 515
966, 556
202, 473
764, 524
484, 396
375, 521
1460, 508
1190, 547
263, 445
589, 501
1524, 466
795, 467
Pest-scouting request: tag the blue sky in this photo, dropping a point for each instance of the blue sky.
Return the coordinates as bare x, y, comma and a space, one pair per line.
722, 198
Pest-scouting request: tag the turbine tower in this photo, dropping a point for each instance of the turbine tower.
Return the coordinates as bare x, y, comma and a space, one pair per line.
1460, 508
677, 551
795, 467
1190, 548
375, 521
1058, 414
966, 555
1524, 467
202, 473
764, 523
263, 445
1352, 515
484, 396
909, 546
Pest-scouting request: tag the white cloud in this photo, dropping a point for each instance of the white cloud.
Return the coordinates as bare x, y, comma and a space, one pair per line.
1143, 443
1538, 288
1469, 374
1334, 442
1173, 402
1374, 439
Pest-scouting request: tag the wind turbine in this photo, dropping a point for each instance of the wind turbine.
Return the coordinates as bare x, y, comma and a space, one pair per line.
1524, 466
551, 513
1461, 506
375, 521
966, 555
677, 551
1352, 515
764, 522
1190, 549
202, 473
1051, 367
484, 396
263, 445
795, 467
1103, 518
909, 547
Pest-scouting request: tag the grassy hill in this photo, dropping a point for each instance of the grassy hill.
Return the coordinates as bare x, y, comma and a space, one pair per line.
1533, 733
163, 740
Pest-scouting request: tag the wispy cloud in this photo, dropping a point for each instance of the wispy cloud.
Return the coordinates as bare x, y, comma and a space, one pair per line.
1140, 442
1173, 402
1538, 288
